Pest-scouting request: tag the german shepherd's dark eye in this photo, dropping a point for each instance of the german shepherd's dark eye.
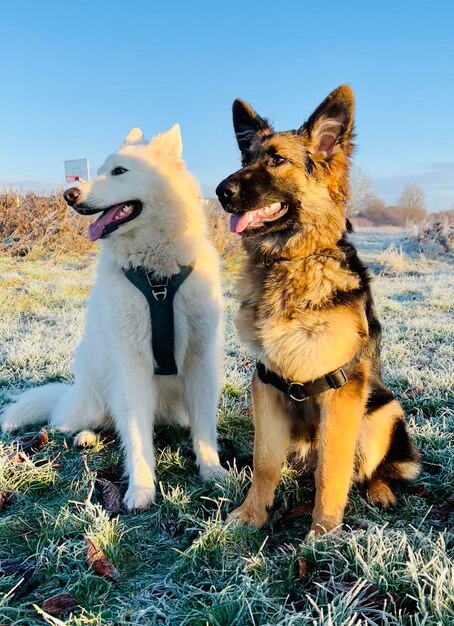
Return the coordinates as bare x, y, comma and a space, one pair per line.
277, 159
118, 170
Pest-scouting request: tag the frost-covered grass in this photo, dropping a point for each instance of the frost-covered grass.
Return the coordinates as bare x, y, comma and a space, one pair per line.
179, 563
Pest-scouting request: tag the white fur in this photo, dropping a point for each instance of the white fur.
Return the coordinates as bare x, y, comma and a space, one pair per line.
113, 364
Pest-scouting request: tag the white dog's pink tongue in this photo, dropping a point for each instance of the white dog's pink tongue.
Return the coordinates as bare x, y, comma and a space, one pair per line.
118, 212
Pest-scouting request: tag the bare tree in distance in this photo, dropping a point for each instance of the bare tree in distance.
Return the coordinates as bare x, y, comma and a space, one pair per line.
380, 213
361, 186
412, 204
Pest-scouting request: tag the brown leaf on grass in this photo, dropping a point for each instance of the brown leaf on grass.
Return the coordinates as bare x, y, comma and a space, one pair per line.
376, 598
5, 497
33, 443
302, 567
111, 497
97, 560
60, 605
114, 473
304, 509
17, 457
420, 490
171, 527
442, 512
28, 445
12, 566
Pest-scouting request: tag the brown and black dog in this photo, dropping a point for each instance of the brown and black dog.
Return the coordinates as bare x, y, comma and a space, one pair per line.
307, 314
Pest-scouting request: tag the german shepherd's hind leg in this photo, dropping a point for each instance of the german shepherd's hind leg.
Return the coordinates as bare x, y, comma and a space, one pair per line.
271, 442
341, 414
385, 451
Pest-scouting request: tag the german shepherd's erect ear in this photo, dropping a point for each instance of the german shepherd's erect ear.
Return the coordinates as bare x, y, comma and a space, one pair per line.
330, 127
247, 124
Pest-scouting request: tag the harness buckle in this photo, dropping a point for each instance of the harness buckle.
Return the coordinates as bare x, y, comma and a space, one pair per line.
300, 391
159, 293
336, 379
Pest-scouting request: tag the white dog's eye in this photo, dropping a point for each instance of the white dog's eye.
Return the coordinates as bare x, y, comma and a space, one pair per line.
118, 170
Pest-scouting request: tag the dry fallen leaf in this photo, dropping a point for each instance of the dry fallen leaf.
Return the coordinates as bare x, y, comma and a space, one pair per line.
5, 497
443, 511
17, 457
12, 566
28, 445
60, 605
97, 560
111, 497
302, 567
33, 443
304, 509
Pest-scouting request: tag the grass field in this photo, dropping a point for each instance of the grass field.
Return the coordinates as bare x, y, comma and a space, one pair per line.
178, 563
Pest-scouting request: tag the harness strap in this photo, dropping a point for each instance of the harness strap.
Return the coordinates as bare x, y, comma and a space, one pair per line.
160, 293
302, 391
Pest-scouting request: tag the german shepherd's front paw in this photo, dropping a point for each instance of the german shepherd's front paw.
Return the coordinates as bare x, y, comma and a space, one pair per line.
249, 515
139, 498
323, 526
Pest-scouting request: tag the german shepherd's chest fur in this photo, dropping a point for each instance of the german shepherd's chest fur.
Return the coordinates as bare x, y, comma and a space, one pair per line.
303, 316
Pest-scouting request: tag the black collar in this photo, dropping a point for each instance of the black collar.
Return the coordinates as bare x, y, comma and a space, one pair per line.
160, 292
302, 391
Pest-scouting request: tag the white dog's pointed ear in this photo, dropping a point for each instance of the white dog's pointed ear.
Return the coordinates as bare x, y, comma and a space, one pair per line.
134, 137
169, 143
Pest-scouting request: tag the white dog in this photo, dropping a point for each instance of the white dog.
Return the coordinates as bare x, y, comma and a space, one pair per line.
151, 219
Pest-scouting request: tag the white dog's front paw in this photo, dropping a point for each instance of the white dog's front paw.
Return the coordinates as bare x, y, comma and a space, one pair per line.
213, 473
139, 498
85, 438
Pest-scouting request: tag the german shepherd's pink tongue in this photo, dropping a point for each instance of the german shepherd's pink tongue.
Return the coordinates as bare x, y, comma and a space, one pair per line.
116, 213
254, 219
238, 223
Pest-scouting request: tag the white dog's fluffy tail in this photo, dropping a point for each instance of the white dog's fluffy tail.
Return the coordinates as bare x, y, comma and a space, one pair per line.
33, 406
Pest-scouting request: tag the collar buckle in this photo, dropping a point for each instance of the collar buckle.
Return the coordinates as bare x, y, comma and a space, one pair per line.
297, 392
336, 379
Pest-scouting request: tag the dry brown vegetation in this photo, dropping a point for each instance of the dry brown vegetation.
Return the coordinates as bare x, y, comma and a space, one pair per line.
38, 226
42, 226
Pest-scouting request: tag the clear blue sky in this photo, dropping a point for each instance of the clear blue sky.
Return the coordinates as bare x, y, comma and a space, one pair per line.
76, 76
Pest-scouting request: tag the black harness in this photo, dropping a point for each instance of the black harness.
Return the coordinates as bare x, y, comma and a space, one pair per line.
160, 293
302, 391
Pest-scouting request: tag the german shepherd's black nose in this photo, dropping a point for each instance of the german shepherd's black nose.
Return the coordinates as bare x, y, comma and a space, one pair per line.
227, 190
71, 195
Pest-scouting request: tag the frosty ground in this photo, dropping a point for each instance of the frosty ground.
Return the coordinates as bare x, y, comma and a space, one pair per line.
178, 563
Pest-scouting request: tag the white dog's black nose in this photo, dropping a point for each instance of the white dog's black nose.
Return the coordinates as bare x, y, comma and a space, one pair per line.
71, 196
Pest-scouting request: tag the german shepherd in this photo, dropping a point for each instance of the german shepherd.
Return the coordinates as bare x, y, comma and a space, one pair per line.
307, 313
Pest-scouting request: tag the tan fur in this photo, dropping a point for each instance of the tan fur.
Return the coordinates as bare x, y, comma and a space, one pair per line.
375, 436
271, 442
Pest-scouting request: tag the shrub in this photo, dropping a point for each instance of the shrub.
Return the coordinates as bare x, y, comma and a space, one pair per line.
36, 225
433, 236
